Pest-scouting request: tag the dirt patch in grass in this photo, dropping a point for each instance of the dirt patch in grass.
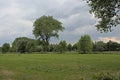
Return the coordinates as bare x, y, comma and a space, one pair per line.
6, 74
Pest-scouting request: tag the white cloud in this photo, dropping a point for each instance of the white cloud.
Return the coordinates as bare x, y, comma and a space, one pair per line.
106, 39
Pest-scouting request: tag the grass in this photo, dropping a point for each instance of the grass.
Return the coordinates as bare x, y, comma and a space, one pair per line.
57, 66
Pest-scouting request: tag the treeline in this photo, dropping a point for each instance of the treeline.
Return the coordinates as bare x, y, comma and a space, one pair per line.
84, 45
47, 27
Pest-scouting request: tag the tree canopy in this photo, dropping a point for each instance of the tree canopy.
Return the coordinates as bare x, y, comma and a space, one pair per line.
5, 47
46, 27
85, 44
108, 13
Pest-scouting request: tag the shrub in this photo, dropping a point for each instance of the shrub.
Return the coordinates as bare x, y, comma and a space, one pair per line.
106, 76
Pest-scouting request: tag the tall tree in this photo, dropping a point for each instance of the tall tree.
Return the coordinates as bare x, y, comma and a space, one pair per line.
46, 27
85, 44
108, 13
5, 47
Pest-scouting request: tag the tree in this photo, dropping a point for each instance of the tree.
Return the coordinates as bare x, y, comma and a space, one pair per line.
30, 46
23, 44
69, 47
85, 44
113, 46
5, 47
74, 47
62, 46
46, 27
79, 46
99, 46
108, 13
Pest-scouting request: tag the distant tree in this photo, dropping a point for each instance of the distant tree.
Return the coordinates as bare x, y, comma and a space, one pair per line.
23, 44
69, 47
5, 47
62, 46
30, 46
99, 46
79, 46
113, 46
107, 11
0, 49
74, 47
85, 43
46, 27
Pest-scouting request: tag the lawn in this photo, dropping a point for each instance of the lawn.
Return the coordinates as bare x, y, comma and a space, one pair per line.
57, 66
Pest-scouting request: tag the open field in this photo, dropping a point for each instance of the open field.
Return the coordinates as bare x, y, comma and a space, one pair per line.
57, 66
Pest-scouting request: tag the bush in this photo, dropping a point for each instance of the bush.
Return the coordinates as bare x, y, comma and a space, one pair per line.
106, 76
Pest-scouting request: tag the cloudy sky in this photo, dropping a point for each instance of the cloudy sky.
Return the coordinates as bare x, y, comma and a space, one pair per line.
17, 17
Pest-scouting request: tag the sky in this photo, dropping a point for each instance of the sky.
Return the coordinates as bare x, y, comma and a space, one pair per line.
17, 18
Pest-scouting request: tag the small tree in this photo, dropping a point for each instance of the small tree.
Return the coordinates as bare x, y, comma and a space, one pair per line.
5, 47
46, 27
85, 44
69, 47
62, 46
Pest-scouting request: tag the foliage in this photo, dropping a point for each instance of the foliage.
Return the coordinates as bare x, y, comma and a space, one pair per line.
69, 47
108, 13
46, 27
74, 47
99, 46
62, 46
30, 46
23, 44
113, 46
85, 44
105, 76
5, 47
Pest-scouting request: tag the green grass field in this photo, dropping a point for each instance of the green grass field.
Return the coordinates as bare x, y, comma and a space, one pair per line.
57, 66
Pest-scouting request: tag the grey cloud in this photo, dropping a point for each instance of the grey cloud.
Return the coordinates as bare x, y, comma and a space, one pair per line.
17, 17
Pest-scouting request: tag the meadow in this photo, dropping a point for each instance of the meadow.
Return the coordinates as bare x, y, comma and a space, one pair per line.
57, 66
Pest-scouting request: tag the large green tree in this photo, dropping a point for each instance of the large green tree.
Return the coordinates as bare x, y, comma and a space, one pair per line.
85, 44
107, 12
46, 27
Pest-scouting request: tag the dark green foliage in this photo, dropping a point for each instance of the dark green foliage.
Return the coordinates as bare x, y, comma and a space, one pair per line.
99, 46
74, 47
85, 44
62, 46
69, 47
106, 76
30, 46
46, 27
113, 46
5, 47
108, 13
23, 44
